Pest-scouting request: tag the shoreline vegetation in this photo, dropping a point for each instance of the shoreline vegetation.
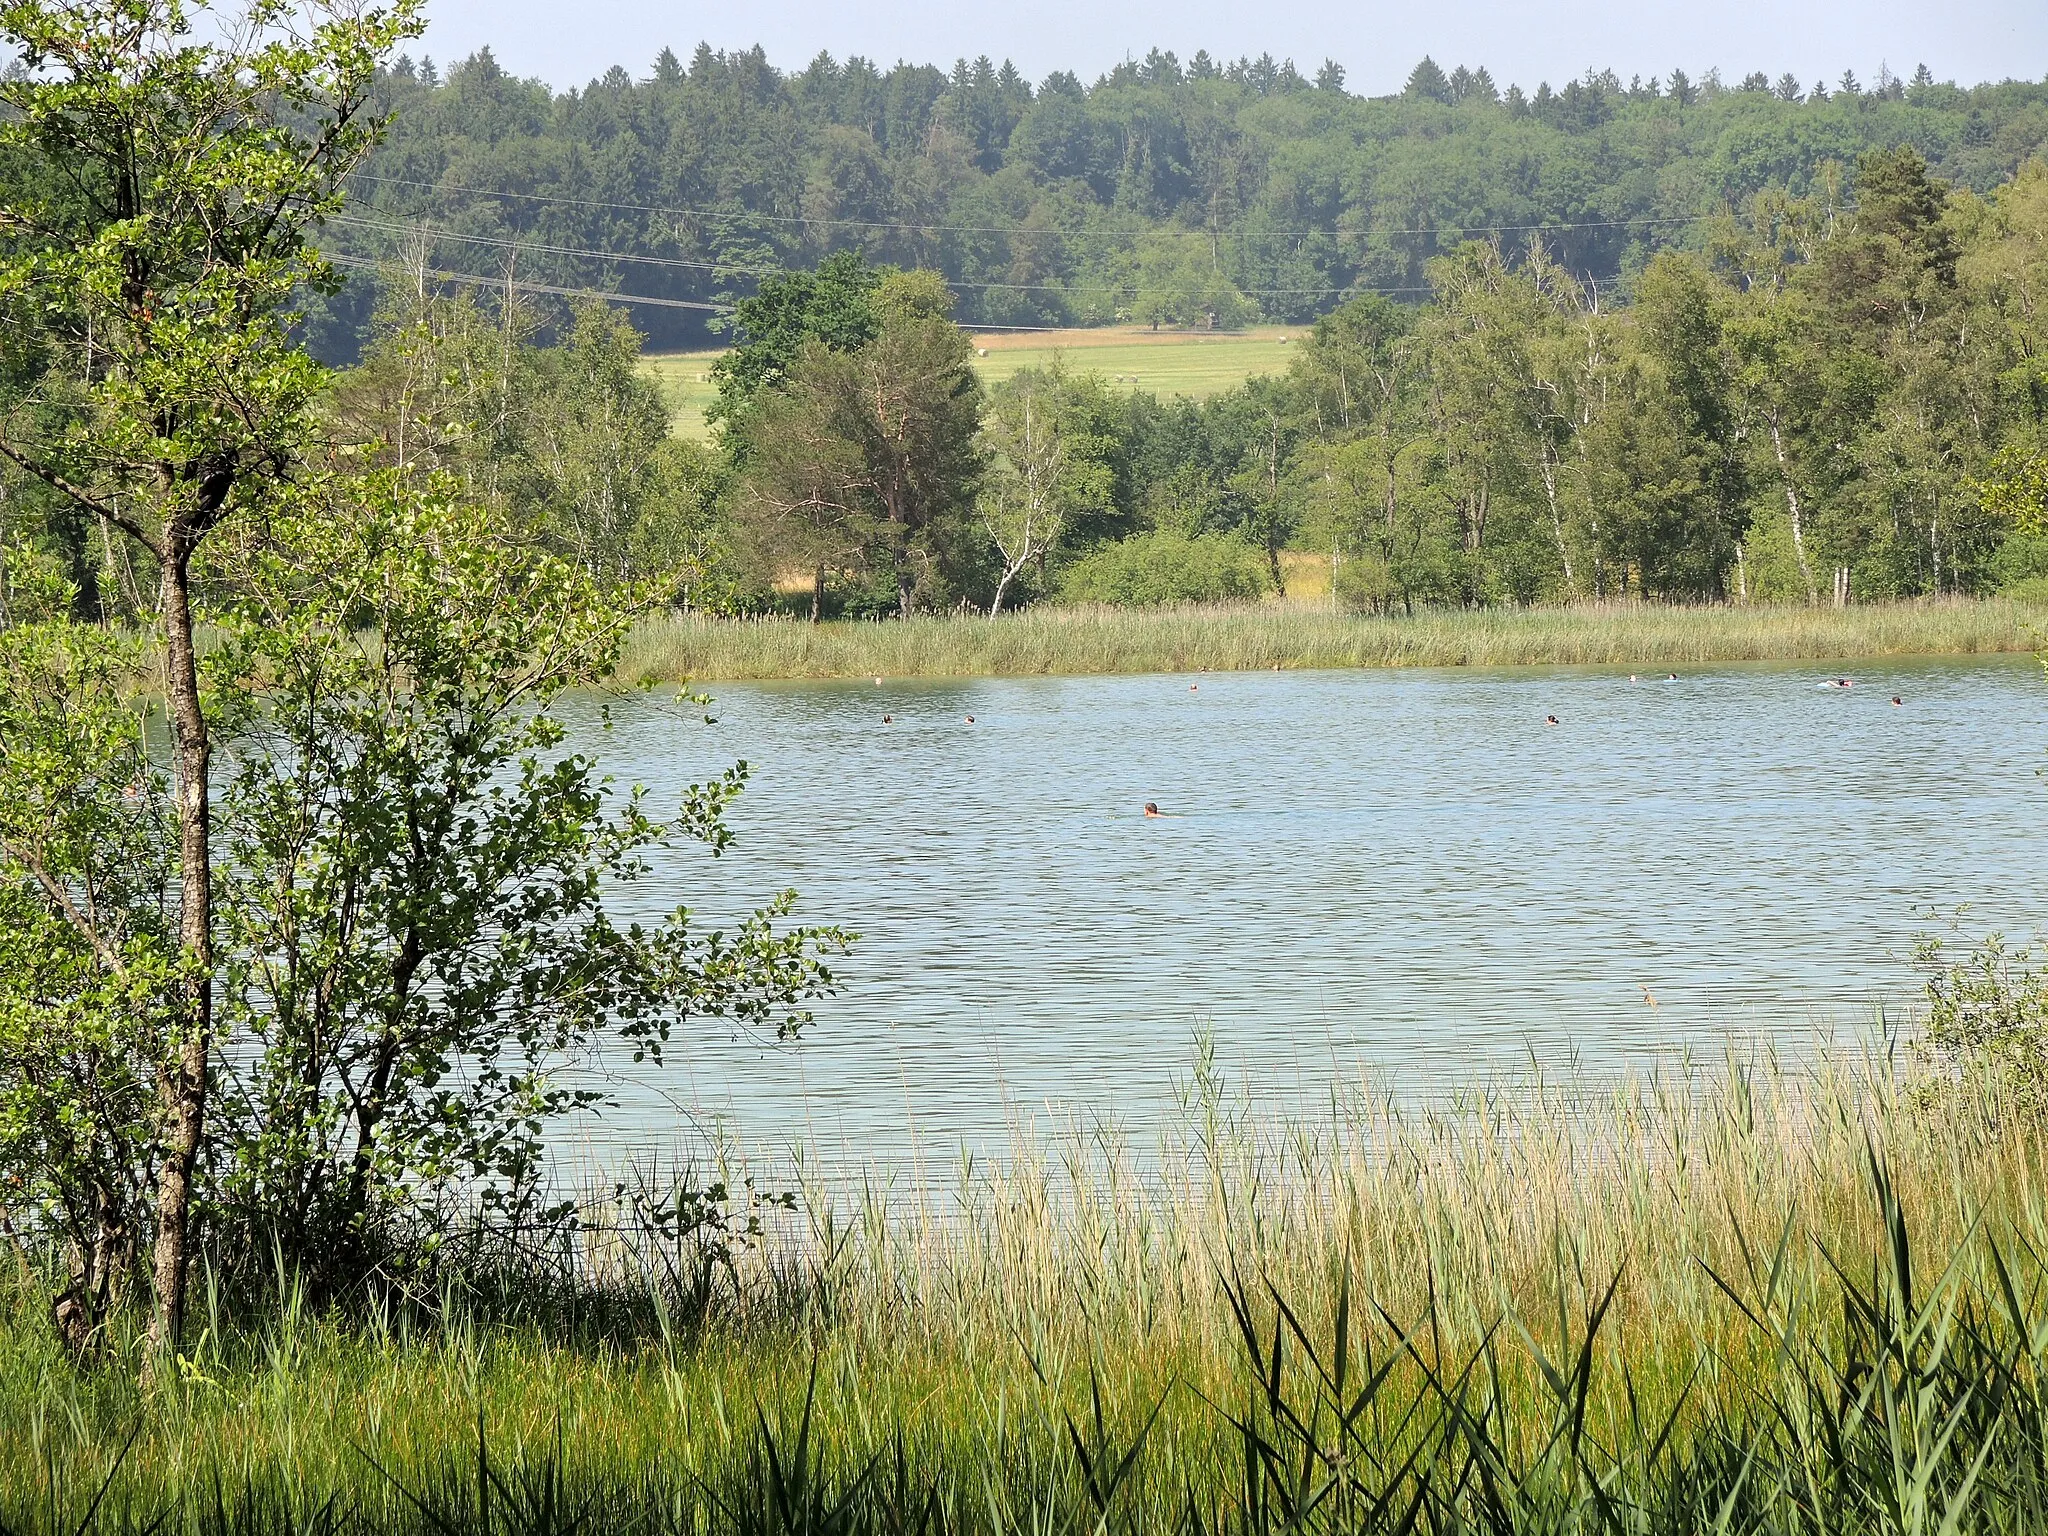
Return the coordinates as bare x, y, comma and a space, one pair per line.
1788, 1292
1076, 641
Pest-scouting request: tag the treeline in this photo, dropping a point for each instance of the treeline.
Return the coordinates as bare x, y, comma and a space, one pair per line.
1832, 400
1165, 191
1823, 405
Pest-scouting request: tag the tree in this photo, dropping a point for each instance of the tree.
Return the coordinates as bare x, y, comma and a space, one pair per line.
833, 307
90, 979
595, 447
803, 501
166, 246
884, 439
417, 877
1047, 468
1428, 82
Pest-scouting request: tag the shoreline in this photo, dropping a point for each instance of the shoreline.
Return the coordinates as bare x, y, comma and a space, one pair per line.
1079, 642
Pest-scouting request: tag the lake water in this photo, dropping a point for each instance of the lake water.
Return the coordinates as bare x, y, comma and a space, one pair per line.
1406, 873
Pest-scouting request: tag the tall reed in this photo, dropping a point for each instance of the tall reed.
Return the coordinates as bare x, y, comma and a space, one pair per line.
1773, 1298
1056, 640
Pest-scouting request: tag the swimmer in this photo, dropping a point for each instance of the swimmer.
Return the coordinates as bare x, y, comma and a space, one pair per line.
888, 719
1194, 687
1670, 677
1631, 677
878, 682
1897, 700
970, 719
1151, 810
1550, 719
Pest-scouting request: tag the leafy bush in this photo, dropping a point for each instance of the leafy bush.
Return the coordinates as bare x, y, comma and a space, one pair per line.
2020, 568
1151, 569
1988, 1014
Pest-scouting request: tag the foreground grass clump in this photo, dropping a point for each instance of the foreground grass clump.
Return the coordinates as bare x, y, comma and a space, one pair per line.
1793, 1302
1057, 640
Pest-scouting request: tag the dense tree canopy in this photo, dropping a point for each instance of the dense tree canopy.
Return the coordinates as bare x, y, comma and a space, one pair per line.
1166, 189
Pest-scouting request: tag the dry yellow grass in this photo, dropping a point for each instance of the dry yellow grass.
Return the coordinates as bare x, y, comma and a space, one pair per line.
1053, 640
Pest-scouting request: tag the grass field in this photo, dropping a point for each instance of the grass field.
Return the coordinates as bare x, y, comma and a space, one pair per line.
686, 378
1048, 640
1166, 363
1765, 1301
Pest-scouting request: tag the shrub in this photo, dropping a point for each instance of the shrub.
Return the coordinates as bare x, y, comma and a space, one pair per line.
1988, 1014
1151, 569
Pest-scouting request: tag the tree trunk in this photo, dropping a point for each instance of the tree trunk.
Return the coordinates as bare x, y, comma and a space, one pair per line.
817, 593
1564, 553
182, 1095
1792, 507
995, 606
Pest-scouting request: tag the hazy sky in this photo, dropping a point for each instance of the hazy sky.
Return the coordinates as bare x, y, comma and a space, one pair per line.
1377, 41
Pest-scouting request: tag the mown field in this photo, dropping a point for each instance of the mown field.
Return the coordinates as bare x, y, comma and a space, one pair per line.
1197, 364
686, 378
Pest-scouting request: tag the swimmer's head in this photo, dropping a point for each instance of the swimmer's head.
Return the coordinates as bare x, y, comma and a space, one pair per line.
1550, 719
1151, 808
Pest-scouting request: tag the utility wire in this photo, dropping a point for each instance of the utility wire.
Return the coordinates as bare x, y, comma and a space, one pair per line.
356, 221
690, 211
520, 285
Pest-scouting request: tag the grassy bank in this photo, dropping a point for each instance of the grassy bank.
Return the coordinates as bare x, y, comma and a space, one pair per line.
1768, 1301
1050, 640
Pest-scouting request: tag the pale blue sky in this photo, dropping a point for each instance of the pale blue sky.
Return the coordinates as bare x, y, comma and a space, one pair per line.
1376, 41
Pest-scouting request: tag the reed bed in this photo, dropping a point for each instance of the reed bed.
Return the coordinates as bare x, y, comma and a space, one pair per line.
1050, 640
1769, 1299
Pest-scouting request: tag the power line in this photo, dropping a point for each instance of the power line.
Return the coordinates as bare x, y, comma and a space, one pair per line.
522, 286
730, 214
514, 244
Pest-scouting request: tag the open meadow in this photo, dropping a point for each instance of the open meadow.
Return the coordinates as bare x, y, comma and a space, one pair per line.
1167, 363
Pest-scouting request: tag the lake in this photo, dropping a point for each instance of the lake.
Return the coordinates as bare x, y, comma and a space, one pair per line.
1406, 874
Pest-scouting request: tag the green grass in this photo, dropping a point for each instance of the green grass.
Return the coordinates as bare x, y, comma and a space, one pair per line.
1165, 363
685, 377
1199, 364
1053, 640
1772, 1301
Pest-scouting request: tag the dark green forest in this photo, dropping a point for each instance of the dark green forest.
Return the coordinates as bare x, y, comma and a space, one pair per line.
1165, 191
1677, 340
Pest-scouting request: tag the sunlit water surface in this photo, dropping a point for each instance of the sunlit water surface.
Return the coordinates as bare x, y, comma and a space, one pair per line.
1406, 875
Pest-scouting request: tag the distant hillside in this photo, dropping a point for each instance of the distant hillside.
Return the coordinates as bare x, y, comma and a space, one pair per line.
1165, 192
